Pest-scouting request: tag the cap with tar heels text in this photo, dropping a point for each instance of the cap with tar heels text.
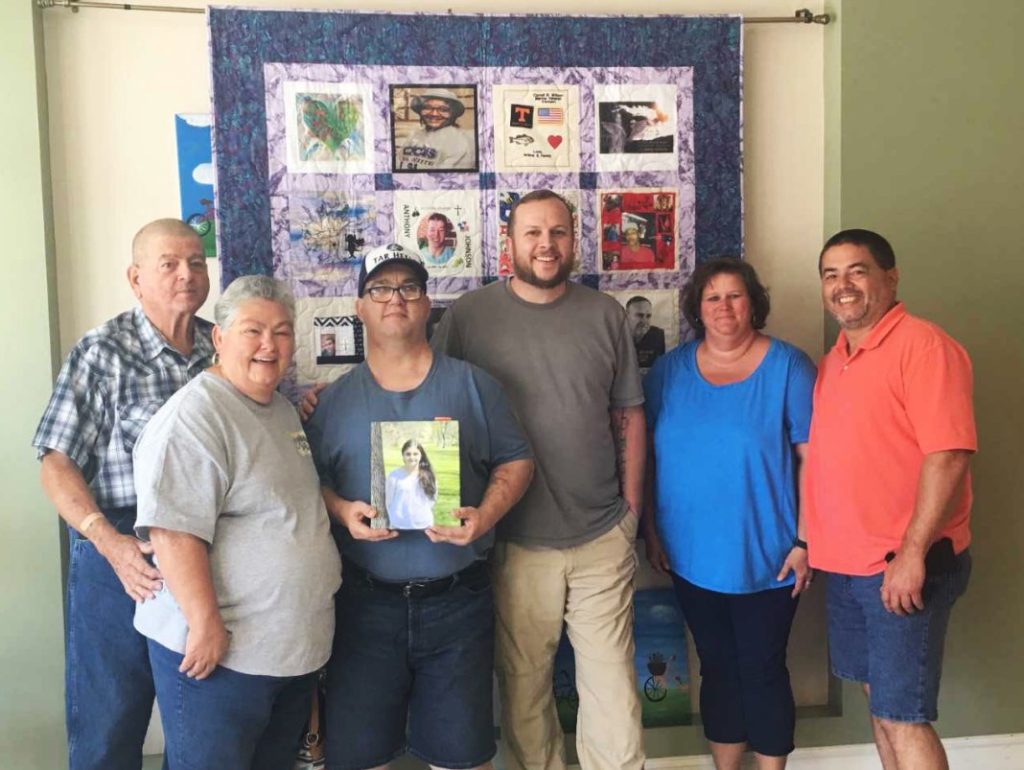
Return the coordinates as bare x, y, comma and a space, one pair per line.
392, 254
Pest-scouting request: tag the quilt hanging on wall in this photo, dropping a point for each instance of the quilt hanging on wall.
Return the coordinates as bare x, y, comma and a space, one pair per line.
335, 132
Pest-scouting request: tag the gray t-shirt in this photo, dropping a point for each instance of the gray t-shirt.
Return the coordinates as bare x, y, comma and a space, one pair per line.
564, 365
240, 475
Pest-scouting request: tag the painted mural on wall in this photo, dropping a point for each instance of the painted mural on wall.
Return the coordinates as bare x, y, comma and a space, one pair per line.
662, 672
195, 176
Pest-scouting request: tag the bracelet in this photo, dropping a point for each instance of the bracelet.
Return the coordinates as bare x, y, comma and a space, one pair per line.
88, 521
798, 543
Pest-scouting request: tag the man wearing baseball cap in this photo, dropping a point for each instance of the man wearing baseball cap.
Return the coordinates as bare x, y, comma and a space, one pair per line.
437, 144
413, 652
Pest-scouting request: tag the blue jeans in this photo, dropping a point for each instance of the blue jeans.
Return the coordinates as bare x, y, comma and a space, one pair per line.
411, 673
229, 721
108, 682
745, 693
898, 656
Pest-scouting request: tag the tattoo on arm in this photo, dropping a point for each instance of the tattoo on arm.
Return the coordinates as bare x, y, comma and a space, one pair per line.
507, 484
629, 431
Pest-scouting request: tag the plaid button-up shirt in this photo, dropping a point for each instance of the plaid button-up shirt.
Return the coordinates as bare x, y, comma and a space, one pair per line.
115, 379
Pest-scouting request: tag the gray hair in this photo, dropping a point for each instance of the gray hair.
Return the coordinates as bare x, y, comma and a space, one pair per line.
249, 287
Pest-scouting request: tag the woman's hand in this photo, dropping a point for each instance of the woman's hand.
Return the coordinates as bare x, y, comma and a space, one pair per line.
655, 553
355, 516
796, 562
185, 561
205, 645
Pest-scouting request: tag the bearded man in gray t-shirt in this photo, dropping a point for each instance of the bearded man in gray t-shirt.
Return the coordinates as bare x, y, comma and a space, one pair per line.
565, 356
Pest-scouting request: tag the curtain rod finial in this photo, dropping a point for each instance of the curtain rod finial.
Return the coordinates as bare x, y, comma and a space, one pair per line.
804, 16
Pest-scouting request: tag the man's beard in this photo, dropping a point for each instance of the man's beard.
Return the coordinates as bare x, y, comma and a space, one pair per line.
524, 272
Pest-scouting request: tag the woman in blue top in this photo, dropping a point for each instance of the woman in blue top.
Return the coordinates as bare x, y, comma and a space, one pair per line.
728, 416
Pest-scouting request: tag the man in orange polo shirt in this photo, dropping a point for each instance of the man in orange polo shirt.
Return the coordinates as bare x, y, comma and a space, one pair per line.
888, 493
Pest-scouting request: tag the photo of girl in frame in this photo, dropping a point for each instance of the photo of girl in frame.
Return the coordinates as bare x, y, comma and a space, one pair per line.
414, 473
433, 127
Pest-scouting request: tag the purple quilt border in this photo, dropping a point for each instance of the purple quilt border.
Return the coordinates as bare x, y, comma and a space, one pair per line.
242, 41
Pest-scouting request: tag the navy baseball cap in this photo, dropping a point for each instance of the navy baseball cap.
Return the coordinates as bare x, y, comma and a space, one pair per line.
392, 254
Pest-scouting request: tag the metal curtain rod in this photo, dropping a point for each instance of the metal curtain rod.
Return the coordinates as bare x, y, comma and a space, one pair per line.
802, 16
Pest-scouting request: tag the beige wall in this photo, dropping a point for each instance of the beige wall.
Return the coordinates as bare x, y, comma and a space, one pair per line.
117, 78
928, 152
31, 629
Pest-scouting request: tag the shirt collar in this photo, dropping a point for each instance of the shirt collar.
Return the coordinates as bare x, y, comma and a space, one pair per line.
153, 343
878, 333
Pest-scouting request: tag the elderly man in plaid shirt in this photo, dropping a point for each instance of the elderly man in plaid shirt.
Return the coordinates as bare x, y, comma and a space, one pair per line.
112, 382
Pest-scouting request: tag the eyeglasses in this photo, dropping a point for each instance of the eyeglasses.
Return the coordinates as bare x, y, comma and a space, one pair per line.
381, 292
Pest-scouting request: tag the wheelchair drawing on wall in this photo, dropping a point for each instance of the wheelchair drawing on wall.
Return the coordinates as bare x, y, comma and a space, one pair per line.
655, 688
202, 223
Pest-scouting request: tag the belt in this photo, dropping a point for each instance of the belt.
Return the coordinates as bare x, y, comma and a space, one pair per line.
417, 589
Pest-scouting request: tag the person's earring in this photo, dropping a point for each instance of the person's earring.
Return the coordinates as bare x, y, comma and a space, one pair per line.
215, 359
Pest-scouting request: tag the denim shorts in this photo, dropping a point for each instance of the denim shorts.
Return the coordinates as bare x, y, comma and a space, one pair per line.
898, 656
411, 674
229, 720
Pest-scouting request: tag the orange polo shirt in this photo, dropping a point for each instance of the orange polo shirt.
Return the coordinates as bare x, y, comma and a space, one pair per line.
904, 393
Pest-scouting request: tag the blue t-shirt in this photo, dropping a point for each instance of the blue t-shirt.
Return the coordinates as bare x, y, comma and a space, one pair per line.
726, 469
339, 435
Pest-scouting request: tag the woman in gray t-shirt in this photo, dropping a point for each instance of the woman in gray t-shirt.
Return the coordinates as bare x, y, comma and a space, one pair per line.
230, 499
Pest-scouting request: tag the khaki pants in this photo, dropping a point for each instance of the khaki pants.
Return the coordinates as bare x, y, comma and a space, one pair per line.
591, 588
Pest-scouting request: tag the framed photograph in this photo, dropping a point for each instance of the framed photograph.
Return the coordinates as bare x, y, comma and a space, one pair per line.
337, 339
414, 473
328, 127
444, 227
653, 316
638, 230
330, 228
434, 128
536, 128
636, 127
